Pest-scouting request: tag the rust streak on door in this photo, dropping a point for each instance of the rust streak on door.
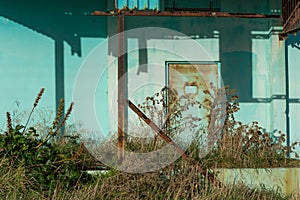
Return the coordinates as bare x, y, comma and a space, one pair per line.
195, 82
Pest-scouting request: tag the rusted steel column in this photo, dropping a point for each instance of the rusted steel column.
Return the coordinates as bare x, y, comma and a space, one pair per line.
122, 89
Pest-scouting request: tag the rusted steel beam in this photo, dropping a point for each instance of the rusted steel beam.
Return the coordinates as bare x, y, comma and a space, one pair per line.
182, 14
167, 139
197, 14
293, 20
101, 13
122, 86
283, 35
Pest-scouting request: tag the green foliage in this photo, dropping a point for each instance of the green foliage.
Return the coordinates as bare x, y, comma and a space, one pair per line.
48, 165
45, 162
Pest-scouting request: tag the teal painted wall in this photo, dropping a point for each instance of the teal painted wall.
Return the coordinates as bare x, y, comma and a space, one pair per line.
251, 55
37, 39
139, 4
293, 50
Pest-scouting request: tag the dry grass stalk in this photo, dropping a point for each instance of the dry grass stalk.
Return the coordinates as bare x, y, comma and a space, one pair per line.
39, 96
58, 117
37, 99
9, 123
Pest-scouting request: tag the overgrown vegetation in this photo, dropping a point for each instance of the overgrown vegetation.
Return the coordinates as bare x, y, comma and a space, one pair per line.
240, 145
50, 165
249, 145
43, 161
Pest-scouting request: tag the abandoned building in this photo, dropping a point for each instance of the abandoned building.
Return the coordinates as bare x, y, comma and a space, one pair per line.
76, 50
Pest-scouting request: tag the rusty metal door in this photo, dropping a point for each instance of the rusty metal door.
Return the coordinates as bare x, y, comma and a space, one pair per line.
191, 78
192, 83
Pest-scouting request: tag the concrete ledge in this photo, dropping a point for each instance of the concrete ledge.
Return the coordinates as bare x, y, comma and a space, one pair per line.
285, 180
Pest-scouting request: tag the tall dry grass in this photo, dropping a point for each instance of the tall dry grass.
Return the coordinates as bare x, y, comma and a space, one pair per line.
177, 181
241, 145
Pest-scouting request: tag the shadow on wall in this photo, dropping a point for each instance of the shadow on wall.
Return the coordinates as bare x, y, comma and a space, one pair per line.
62, 21
239, 72
294, 40
235, 43
66, 22
59, 20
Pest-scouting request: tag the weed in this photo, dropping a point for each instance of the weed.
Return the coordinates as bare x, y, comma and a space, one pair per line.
45, 164
35, 167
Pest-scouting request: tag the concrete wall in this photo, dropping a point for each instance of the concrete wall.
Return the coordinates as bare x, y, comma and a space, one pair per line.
293, 61
38, 39
249, 51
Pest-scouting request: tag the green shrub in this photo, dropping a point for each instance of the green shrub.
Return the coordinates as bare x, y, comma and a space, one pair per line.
46, 162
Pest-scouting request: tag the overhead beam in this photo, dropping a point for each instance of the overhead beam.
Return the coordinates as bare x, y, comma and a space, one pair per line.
182, 14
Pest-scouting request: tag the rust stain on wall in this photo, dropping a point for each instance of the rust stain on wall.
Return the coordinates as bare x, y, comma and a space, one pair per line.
204, 76
191, 81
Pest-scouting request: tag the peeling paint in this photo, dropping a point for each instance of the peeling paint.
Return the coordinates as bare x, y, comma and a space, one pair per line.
198, 78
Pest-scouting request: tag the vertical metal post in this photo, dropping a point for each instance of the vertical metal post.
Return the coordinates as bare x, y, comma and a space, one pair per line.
122, 88
59, 73
287, 93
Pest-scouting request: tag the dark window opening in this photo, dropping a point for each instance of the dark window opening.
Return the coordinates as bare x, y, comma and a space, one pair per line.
191, 5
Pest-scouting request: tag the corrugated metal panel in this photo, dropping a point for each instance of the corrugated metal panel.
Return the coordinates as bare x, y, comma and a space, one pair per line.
139, 4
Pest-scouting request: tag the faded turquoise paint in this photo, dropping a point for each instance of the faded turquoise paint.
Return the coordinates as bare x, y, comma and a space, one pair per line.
233, 6
251, 56
29, 33
139, 4
236, 43
293, 42
26, 68
22, 65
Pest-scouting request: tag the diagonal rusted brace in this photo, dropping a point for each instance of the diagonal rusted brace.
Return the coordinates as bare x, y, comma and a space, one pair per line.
166, 138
